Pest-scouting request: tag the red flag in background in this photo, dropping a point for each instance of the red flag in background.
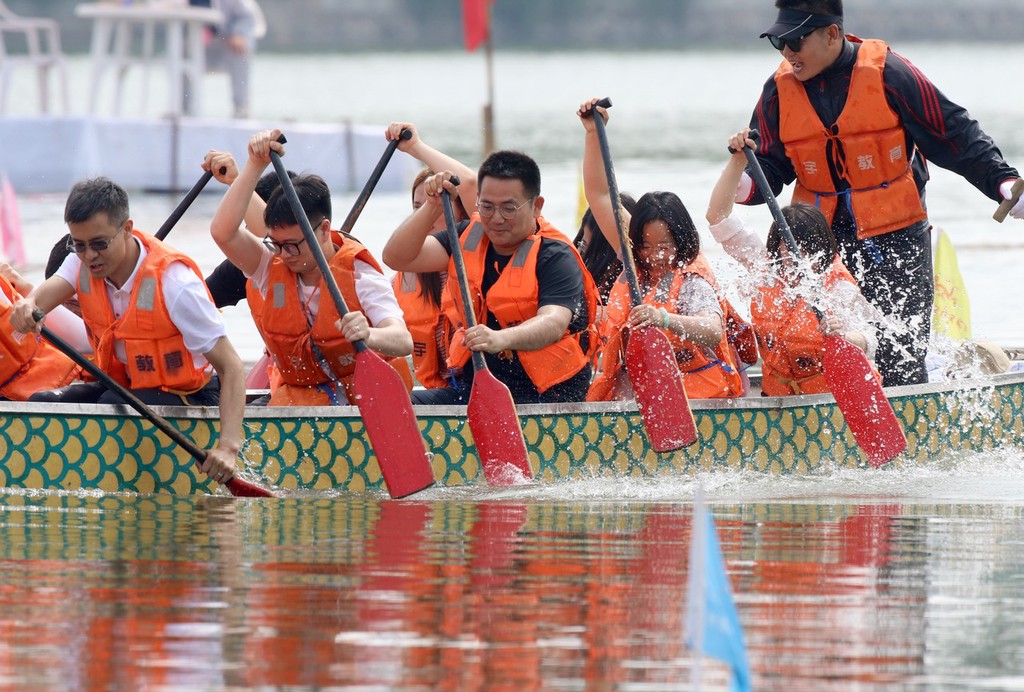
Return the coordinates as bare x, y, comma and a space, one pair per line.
475, 22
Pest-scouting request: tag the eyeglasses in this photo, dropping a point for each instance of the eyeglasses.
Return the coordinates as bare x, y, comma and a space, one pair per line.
794, 44
78, 247
288, 247
505, 211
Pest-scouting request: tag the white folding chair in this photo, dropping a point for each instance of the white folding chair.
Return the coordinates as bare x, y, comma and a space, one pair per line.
41, 38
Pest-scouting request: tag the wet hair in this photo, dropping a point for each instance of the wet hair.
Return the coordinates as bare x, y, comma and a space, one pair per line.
96, 195
269, 182
512, 165
314, 195
811, 232
599, 256
833, 7
667, 207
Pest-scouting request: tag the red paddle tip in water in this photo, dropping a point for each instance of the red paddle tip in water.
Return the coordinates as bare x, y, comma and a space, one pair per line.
239, 487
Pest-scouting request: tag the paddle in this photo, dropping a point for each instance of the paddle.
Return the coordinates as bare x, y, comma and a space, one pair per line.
357, 208
1007, 204
857, 391
380, 394
238, 487
650, 362
184, 204
491, 411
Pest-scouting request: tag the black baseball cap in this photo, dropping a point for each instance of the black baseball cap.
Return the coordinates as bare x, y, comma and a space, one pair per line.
796, 23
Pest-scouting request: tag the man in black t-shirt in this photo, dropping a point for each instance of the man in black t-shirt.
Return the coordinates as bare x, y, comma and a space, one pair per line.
534, 328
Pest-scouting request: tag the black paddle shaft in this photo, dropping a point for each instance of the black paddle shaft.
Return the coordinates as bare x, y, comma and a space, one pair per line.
628, 266
357, 208
184, 204
769, 197
479, 362
307, 231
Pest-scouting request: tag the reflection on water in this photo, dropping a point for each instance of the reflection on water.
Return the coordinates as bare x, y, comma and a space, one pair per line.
908, 577
212, 593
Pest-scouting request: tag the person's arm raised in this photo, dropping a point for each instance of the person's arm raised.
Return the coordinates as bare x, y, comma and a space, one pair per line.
723, 196
239, 204
728, 231
410, 247
437, 161
595, 182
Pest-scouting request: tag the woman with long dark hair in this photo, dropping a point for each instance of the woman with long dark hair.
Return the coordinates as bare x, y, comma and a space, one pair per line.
676, 282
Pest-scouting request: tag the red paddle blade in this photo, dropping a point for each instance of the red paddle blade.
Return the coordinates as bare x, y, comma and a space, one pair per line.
239, 487
867, 411
387, 413
659, 392
496, 431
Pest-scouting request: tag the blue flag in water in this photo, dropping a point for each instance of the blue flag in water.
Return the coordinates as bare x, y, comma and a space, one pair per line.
712, 625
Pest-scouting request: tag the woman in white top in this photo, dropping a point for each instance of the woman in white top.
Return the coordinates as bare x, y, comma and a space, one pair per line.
788, 328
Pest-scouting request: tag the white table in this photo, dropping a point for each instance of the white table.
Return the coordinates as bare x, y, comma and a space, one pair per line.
113, 27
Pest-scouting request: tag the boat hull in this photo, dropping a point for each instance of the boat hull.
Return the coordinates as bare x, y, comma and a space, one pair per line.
105, 448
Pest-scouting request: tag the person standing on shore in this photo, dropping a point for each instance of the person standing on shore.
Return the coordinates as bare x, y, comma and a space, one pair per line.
853, 123
231, 46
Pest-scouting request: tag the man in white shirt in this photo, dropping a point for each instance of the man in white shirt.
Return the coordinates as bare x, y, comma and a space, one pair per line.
311, 343
152, 324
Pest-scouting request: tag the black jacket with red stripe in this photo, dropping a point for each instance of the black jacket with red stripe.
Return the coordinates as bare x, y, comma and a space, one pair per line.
941, 131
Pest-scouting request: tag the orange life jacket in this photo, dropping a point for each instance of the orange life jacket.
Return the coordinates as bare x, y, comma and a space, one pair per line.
704, 377
155, 349
792, 346
311, 361
28, 364
867, 145
513, 300
426, 323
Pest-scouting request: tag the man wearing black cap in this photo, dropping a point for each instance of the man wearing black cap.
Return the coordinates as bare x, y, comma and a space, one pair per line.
852, 123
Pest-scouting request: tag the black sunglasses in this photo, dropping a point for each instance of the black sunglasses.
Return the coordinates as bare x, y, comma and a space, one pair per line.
78, 247
794, 44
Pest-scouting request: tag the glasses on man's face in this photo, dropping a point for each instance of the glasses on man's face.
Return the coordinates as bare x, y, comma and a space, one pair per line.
96, 245
794, 44
288, 247
505, 211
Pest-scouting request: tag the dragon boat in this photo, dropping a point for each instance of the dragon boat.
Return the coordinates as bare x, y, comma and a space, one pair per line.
72, 447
